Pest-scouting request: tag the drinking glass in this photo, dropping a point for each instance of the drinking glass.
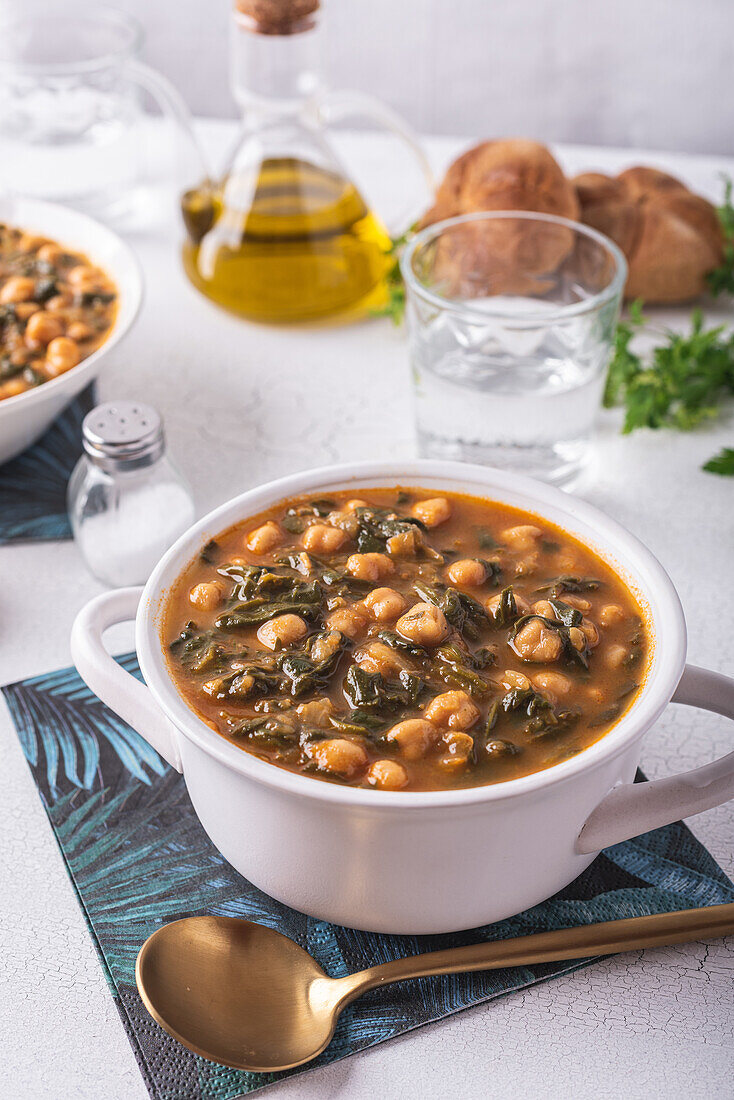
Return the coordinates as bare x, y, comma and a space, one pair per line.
70, 111
511, 321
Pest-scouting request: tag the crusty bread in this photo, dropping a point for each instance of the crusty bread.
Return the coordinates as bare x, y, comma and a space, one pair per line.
671, 237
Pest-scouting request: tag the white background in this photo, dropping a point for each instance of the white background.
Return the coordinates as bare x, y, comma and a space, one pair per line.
639, 73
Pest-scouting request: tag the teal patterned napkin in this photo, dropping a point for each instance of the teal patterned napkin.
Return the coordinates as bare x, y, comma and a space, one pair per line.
33, 485
138, 858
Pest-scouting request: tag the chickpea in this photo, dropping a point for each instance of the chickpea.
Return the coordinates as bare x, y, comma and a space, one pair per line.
388, 775
424, 624
460, 747
322, 539
59, 302
467, 572
577, 638
29, 242
282, 631
432, 512
615, 656
12, 388
414, 737
378, 657
20, 356
42, 328
512, 679
610, 614
206, 595
339, 756
384, 604
353, 505
406, 544
84, 274
370, 567
453, 709
554, 682
17, 289
545, 608
61, 355
537, 642
77, 330
50, 253
526, 564
24, 310
590, 632
326, 646
493, 603
316, 712
264, 538
578, 602
344, 521
522, 537
349, 620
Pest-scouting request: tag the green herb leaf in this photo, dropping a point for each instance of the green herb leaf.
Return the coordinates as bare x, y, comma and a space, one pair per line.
721, 279
685, 384
722, 463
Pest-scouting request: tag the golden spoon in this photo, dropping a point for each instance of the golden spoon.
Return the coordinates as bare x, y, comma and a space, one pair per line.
244, 995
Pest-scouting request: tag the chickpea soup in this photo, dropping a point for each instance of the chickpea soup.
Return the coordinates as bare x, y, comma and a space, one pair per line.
405, 640
55, 310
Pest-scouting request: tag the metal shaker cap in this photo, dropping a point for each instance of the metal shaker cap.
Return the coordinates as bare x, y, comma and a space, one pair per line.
123, 433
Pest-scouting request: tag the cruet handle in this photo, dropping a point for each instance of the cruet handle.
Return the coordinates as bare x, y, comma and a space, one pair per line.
339, 105
172, 106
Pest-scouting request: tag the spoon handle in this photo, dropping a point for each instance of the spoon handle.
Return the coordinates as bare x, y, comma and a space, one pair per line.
580, 942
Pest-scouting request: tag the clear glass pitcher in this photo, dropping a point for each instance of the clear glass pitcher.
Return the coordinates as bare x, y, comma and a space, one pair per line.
70, 110
284, 234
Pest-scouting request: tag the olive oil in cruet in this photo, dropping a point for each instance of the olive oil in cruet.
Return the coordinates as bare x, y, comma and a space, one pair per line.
284, 235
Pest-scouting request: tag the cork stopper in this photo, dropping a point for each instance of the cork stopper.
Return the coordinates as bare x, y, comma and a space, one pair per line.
277, 16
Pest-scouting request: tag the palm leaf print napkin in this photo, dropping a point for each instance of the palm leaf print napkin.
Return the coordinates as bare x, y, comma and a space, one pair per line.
138, 858
33, 485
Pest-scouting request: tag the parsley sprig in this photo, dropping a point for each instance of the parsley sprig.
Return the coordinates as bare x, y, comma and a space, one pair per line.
688, 378
394, 307
721, 279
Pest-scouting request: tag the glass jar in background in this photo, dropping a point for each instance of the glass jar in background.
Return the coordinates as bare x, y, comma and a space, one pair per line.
70, 113
511, 322
127, 502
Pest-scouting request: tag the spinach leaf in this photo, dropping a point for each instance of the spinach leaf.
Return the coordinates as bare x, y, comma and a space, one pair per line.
558, 585
485, 538
394, 641
569, 616
457, 668
305, 673
462, 612
300, 599
208, 553
376, 525
372, 692
359, 721
506, 611
196, 650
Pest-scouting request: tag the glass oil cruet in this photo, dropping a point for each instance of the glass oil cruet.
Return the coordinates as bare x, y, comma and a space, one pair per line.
284, 235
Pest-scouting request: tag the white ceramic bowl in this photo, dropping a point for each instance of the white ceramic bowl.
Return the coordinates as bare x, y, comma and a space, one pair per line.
24, 418
414, 862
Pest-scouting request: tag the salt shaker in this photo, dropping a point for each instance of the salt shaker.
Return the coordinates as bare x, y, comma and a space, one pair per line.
127, 502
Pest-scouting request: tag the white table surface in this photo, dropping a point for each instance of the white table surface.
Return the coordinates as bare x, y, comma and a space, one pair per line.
243, 404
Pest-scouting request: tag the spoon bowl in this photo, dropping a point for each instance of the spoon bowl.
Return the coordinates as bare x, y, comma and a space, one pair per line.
244, 995
236, 992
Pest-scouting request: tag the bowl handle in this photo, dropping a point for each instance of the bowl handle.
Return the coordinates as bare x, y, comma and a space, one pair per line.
120, 691
635, 808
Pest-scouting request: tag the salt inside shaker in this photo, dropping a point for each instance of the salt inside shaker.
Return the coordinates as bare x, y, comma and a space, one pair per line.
127, 502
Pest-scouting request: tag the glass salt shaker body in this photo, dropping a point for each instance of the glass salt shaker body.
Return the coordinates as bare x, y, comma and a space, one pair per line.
127, 502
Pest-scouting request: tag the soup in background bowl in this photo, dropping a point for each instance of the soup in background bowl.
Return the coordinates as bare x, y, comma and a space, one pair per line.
405, 641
